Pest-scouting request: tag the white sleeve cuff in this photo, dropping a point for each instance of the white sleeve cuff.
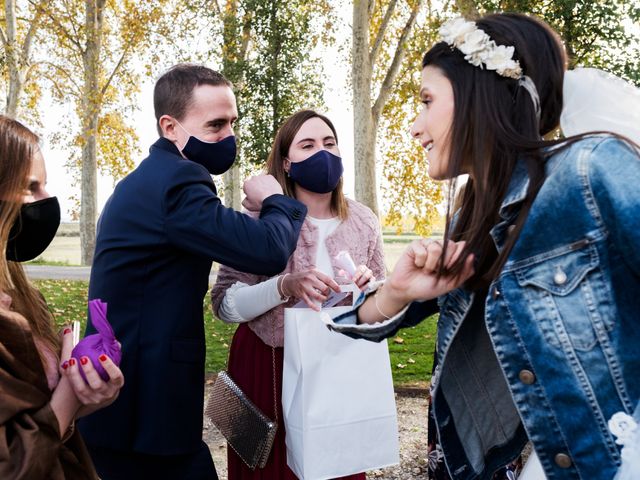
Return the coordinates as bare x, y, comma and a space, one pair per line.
242, 303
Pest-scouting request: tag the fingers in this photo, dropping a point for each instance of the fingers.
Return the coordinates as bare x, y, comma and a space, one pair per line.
80, 388
454, 250
67, 343
327, 281
434, 253
90, 373
362, 276
94, 391
468, 270
115, 374
249, 205
312, 305
426, 254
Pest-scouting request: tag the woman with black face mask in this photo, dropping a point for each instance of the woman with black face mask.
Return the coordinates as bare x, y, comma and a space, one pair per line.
41, 389
305, 160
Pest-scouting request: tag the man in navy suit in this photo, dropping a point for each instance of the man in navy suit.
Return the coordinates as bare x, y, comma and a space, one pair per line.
157, 237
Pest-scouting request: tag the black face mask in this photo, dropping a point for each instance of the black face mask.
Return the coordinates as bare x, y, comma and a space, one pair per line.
33, 230
216, 157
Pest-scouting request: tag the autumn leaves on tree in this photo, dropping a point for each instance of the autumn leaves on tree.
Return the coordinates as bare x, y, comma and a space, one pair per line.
93, 55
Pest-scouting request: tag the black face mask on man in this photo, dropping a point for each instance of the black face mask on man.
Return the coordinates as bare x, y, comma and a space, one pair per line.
33, 230
216, 157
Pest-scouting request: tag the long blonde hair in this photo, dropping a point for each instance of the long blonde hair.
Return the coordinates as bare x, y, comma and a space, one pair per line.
18, 145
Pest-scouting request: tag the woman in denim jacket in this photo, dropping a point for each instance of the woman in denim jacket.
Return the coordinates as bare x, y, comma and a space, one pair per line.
539, 281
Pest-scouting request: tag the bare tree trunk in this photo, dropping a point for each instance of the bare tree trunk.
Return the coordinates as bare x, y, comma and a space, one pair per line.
90, 114
17, 57
15, 63
364, 131
12, 58
235, 44
232, 197
365, 115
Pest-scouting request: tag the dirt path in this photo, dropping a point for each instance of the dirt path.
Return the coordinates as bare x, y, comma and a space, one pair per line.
412, 425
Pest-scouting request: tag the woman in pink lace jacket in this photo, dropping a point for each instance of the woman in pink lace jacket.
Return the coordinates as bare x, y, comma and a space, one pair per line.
305, 160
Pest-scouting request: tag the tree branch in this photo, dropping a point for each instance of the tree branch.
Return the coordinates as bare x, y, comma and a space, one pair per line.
3, 36
71, 18
218, 9
57, 22
62, 71
385, 89
371, 7
34, 24
246, 35
115, 70
382, 30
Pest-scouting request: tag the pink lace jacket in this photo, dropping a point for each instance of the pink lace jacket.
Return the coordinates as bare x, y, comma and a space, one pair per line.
359, 234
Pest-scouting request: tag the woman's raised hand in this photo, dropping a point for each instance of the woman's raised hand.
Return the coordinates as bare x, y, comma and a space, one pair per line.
415, 275
362, 277
312, 286
95, 393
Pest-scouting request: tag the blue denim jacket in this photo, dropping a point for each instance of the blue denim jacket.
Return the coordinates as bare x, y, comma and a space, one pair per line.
553, 350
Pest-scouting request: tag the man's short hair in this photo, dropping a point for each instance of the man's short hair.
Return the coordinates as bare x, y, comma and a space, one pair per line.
173, 92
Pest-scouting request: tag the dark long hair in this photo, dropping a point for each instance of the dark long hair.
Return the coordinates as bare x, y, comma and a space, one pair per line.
280, 150
494, 125
18, 145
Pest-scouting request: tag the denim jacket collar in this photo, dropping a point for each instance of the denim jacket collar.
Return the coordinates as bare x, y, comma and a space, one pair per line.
516, 193
517, 190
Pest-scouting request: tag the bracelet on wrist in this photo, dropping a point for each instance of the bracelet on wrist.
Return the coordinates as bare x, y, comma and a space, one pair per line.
375, 300
279, 286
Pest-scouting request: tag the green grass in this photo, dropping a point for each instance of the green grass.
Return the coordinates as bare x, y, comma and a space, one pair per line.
53, 263
411, 350
67, 300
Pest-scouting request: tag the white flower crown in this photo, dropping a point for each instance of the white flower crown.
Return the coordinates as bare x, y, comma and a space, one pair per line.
478, 48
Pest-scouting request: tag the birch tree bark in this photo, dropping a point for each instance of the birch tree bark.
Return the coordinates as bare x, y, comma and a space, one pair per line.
17, 55
367, 109
94, 21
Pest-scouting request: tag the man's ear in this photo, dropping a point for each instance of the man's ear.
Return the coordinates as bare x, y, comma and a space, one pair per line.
168, 127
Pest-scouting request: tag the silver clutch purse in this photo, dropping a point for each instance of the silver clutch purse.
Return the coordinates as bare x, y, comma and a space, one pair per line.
247, 430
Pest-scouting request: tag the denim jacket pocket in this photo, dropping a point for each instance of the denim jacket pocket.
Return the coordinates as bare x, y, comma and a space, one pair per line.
562, 291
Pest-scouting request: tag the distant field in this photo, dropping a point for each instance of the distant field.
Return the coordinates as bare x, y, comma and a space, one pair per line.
411, 351
65, 248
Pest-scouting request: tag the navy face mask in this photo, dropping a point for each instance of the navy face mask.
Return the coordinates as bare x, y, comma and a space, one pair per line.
320, 173
33, 229
216, 157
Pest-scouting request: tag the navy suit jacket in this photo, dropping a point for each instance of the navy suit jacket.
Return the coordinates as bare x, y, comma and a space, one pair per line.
157, 237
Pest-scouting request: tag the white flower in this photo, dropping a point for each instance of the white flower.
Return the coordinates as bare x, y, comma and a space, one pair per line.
512, 70
499, 58
453, 31
478, 48
474, 59
474, 42
622, 426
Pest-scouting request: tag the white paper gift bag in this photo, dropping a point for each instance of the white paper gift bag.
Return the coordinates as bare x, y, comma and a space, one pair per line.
338, 400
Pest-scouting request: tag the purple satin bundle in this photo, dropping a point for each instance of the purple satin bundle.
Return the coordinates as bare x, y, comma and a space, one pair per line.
92, 346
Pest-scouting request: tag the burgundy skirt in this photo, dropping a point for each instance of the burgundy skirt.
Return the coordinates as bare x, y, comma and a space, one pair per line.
251, 367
